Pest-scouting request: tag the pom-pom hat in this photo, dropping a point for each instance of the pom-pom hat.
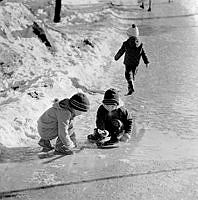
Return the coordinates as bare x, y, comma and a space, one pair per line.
133, 31
79, 102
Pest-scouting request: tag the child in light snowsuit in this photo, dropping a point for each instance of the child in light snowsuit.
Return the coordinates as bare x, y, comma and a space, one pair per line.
112, 118
56, 122
133, 50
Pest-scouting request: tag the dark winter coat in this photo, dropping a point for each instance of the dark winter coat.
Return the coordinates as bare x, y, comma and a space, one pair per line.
103, 119
133, 52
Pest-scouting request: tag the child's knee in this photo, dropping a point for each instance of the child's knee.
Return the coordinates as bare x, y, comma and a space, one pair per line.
116, 126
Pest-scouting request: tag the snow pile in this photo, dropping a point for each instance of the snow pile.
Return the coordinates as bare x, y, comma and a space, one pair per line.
32, 74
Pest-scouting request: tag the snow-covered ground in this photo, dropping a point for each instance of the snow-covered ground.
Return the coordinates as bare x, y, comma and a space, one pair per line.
33, 75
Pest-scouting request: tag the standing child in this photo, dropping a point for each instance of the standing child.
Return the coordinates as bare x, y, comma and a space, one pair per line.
142, 5
56, 122
133, 50
112, 119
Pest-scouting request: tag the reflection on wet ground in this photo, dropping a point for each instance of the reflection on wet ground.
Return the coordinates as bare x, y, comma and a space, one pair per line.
19, 154
166, 93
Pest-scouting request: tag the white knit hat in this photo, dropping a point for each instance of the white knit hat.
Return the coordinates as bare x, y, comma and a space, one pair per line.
133, 31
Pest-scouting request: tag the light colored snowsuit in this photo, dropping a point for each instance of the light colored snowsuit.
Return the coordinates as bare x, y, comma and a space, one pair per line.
54, 121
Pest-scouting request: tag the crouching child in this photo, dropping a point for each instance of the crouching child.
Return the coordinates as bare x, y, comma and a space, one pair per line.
113, 121
57, 122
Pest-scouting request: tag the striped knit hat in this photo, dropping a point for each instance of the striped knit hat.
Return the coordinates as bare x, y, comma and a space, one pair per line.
111, 97
79, 102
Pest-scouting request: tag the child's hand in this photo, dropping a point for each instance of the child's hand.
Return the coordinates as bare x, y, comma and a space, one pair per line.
71, 145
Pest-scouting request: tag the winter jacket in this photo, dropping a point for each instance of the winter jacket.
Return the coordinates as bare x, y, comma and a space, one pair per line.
133, 50
53, 122
103, 119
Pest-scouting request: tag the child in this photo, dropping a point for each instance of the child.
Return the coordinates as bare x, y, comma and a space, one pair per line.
56, 122
113, 119
142, 5
133, 50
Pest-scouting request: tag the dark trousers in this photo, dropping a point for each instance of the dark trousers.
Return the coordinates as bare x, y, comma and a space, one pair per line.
130, 72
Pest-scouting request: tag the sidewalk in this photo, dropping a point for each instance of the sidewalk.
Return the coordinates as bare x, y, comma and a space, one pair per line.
111, 174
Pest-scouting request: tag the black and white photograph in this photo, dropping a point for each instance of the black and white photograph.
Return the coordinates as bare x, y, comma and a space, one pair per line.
99, 99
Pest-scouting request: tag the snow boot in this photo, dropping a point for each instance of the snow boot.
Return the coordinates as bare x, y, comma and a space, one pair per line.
99, 136
142, 6
94, 137
63, 150
46, 145
130, 88
149, 9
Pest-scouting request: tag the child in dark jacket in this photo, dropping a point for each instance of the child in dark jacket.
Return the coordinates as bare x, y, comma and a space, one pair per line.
142, 4
133, 50
112, 119
57, 122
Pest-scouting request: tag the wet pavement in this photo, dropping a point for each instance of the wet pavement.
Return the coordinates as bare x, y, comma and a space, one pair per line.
166, 93
161, 160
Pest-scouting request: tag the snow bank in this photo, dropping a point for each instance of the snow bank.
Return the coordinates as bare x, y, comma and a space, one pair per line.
32, 75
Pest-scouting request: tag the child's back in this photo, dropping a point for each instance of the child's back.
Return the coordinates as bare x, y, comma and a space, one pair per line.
133, 50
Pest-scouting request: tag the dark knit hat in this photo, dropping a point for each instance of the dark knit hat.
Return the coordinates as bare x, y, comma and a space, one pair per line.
79, 102
111, 97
